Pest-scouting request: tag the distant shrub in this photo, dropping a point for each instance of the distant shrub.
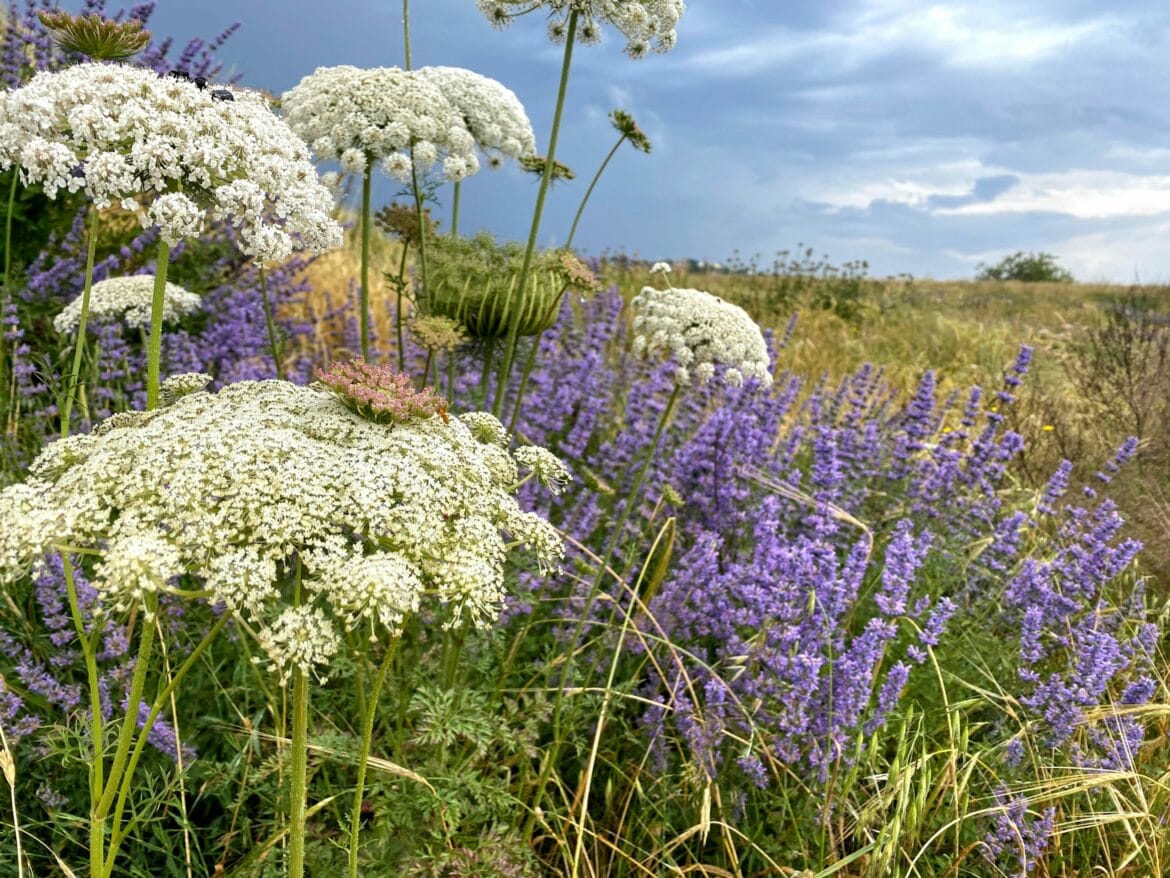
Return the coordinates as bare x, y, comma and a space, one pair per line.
1028, 267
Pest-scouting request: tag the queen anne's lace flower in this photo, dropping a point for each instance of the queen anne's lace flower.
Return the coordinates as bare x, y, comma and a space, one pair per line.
301, 637
127, 299
362, 116
700, 331
493, 114
232, 488
546, 466
646, 24
167, 150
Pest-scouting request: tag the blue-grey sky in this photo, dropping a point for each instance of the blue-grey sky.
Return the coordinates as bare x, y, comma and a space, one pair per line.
922, 137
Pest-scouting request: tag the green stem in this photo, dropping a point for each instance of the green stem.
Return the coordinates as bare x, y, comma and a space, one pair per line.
130, 720
160, 702
427, 369
8, 235
364, 756
300, 763
545, 181
79, 344
455, 211
406, 31
6, 405
422, 227
96, 733
450, 379
589, 191
615, 536
488, 356
154, 341
273, 343
364, 292
529, 363
400, 285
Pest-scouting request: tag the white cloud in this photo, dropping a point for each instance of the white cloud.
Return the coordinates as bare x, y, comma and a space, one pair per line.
1081, 194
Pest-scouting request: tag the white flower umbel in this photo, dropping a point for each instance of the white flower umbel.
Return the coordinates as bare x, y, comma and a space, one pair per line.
236, 489
646, 24
374, 116
700, 331
493, 114
128, 300
175, 154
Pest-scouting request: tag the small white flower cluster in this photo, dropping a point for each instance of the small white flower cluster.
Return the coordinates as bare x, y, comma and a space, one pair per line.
646, 24
492, 113
127, 299
700, 331
379, 115
241, 488
171, 152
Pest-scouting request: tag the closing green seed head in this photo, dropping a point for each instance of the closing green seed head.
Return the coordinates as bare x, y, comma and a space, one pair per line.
90, 34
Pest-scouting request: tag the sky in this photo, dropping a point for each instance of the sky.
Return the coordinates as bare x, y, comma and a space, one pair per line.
924, 138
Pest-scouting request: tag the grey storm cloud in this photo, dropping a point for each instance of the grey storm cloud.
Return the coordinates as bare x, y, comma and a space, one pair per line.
922, 137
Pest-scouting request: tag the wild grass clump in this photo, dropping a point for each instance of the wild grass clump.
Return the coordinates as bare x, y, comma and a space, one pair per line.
748, 573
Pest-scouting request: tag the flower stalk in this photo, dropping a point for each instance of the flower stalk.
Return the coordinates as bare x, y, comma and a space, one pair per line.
270, 324
545, 181
371, 708
79, 344
154, 340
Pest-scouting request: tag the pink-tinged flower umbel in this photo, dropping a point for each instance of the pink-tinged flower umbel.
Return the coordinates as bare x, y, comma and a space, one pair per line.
380, 393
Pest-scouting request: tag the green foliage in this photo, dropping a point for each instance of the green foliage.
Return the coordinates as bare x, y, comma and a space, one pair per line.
1026, 267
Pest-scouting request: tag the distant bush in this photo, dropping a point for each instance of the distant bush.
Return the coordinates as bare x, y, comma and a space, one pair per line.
1028, 267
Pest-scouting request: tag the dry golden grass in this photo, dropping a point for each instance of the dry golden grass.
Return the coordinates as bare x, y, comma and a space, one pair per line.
332, 301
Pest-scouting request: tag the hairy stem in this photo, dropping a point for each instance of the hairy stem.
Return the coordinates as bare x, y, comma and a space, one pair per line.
297, 779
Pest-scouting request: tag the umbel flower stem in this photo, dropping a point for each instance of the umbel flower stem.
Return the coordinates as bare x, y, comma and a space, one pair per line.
364, 292
455, 210
399, 286
97, 835
530, 362
154, 340
101, 809
300, 761
364, 755
603, 565
589, 191
160, 702
545, 181
270, 323
8, 236
79, 344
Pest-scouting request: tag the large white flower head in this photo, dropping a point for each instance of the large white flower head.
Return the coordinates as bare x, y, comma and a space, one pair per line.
128, 300
241, 489
700, 331
492, 113
646, 24
174, 153
380, 115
